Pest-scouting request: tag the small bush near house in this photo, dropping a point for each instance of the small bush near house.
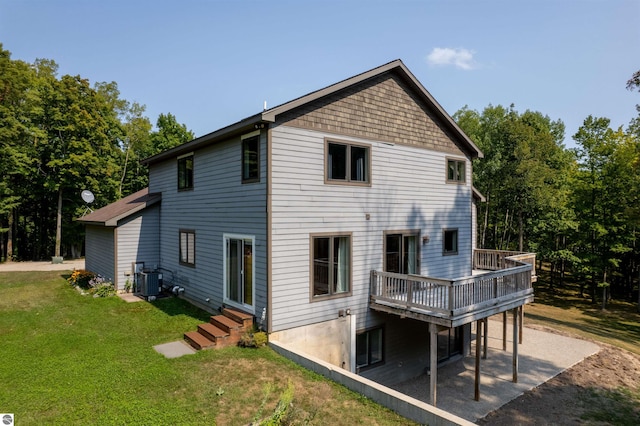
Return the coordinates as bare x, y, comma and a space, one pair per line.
95, 284
100, 287
81, 278
253, 339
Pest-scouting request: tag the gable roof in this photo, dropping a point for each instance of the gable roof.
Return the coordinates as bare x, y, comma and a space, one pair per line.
262, 119
110, 215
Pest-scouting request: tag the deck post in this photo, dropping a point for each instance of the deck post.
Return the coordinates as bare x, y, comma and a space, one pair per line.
504, 330
521, 323
478, 352
433, 361
485, 338
515, 345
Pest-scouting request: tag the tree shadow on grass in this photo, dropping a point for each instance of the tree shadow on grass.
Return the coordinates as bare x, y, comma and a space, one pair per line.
174, 306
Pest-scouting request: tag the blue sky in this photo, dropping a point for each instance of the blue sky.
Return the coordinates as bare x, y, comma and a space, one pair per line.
212, 63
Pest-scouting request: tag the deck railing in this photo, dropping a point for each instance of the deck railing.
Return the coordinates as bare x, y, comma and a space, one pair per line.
451, 297
495, 260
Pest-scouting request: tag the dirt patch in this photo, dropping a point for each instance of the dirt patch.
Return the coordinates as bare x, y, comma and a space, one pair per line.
602, 389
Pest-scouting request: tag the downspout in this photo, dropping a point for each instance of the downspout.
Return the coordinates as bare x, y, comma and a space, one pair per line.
116, 270
269, 232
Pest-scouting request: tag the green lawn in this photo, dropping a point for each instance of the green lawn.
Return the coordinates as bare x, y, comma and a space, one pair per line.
72, 359
564, 309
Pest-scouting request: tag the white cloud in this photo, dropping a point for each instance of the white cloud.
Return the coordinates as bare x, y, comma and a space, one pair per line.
460, 58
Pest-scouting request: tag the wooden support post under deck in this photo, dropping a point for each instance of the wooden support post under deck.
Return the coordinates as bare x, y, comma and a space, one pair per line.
433, 360
478, 352
485, 338
504, 330
521, 323
515, 345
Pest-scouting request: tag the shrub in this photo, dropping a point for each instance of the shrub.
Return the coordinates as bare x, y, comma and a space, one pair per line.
81, 278
253, 339
100, 287
95, 284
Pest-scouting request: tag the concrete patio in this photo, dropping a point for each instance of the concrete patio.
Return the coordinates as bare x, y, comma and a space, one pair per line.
542, 356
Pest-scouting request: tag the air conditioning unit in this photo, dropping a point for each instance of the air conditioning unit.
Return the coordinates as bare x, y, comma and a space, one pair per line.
149, 284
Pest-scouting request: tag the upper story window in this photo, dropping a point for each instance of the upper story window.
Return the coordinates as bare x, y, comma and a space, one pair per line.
251, 159
185, 172
456, 170
348, 163
330, 265
450, 241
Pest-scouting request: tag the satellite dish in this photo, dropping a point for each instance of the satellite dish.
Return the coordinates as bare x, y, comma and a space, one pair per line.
87, 196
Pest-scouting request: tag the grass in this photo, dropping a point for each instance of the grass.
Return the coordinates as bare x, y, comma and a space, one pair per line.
73, 359
564, 309
619, 325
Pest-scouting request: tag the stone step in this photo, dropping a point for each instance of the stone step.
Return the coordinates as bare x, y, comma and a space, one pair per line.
198, 341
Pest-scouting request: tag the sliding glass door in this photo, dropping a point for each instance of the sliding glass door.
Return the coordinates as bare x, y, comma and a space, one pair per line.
239, 271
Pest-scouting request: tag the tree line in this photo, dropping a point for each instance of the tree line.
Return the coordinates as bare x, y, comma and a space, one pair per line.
578, 208
58, 137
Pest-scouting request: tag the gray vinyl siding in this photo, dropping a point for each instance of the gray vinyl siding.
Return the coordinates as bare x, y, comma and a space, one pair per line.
408, 192
138, 241
218, 203
474, 225
99, 251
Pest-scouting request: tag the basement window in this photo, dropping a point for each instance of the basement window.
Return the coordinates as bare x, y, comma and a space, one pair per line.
369, 348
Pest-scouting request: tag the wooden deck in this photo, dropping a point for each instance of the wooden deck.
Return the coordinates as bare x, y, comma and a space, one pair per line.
501, 281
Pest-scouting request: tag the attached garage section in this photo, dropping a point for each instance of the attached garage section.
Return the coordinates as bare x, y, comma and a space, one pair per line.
123, 233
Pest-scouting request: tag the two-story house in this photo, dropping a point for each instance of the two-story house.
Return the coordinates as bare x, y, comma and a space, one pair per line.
343, 220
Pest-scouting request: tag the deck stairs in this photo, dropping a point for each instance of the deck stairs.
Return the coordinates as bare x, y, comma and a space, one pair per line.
221, 331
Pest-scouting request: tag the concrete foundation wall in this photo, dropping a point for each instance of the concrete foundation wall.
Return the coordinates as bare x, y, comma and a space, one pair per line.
402, 404
331, 341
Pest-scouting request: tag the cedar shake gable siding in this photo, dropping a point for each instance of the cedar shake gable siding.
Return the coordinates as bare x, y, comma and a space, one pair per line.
388, 98
382, 108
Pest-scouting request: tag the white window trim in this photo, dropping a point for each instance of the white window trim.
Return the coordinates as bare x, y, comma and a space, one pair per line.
225, 299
